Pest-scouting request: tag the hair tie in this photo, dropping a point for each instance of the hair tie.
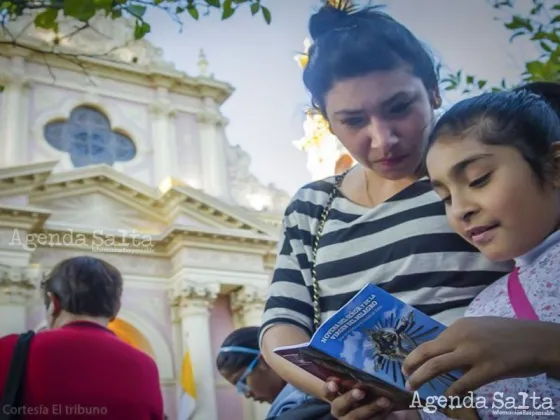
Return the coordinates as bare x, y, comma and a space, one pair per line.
237, 349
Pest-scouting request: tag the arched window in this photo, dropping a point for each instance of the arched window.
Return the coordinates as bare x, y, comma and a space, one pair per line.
88, 138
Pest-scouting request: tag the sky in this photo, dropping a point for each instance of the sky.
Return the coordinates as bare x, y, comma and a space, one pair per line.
266, 111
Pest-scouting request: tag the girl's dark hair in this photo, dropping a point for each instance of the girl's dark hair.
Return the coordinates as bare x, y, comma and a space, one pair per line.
520, 119
85, 286
351, 43
233, 361
548, 90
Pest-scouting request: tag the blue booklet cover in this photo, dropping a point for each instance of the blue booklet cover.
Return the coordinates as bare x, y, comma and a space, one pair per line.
366, 342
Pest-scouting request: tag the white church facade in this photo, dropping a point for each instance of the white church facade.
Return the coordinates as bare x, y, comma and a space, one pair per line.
125, 158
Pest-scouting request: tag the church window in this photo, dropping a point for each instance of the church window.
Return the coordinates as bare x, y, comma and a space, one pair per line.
88, 138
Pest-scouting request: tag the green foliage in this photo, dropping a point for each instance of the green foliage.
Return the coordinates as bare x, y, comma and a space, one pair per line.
84, 10
541, 27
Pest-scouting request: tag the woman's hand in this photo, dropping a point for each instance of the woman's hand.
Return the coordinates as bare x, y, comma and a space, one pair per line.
351, 404
486, 349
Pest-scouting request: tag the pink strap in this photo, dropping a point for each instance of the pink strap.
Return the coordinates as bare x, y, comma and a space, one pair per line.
518, 298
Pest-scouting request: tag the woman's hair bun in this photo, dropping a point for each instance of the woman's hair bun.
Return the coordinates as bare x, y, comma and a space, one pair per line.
327, 18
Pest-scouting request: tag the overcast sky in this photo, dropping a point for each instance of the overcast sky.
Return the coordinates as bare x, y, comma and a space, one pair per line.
266, 110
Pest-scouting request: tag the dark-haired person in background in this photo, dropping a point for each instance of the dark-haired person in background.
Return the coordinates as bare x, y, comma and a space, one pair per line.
240, 362
381, 222
78, 365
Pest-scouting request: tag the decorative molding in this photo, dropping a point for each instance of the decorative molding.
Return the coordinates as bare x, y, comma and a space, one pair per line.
102, 92
24, 178
14, 80
193, 298
108, 49
227, 260
246, 189
248, 298
163, 107
158, 204
19, 284
103, 212
224, 276
61, 110
27, 218
209, 117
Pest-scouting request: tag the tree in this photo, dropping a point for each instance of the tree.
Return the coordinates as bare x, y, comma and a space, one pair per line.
541, 27
49, 14
84, 10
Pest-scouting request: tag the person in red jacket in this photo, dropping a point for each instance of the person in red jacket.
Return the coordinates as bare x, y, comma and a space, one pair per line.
78, 368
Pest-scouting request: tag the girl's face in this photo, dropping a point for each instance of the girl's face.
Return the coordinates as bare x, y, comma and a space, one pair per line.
383, 119
492, 197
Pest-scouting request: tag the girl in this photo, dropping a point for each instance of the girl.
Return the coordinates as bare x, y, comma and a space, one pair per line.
495, 162
239, 361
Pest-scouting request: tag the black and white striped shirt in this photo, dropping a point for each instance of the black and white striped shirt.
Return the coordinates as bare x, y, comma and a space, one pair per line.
403, 245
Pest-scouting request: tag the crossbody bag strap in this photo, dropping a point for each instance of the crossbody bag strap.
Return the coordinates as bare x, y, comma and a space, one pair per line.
13, 390
315, 248
522, 307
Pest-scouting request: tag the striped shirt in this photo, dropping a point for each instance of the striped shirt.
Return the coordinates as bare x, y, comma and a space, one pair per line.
404, 245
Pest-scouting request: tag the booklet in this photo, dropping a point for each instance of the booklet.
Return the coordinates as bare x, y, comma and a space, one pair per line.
366, 342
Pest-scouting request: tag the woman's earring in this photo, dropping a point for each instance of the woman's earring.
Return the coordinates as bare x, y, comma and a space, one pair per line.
437, 102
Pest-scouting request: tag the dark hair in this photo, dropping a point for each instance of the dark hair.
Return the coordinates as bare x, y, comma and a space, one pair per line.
548, 90
351, 43
233, 361
85, 286
519, 118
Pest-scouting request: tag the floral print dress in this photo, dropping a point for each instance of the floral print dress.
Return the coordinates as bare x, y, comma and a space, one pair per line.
537, 397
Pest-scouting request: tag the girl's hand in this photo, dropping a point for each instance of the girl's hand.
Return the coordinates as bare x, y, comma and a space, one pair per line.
351, 405
486, 349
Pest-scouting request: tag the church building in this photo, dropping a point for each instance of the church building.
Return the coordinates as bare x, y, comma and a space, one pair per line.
110, 151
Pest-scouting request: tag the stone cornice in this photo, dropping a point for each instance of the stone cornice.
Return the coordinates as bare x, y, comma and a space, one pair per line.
231, 236
29, 218
200, 201
160, 205
23, 179
166, 244
211, 118
223, 225
178, 82
102, 174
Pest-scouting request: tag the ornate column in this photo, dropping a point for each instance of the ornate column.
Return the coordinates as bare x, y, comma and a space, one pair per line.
248, 305
212, 148
164, 144
18, 285
178, 351
193, 301
13, 120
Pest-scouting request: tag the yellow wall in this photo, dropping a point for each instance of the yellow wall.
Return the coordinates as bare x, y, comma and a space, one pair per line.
131, 335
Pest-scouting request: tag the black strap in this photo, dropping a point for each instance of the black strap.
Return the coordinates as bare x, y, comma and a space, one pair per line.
12, 397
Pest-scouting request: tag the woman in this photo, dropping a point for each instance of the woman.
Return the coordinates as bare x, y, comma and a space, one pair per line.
239, 361
380, 222
79, 367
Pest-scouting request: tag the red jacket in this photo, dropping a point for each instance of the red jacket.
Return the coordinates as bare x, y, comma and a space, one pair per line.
83, 370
